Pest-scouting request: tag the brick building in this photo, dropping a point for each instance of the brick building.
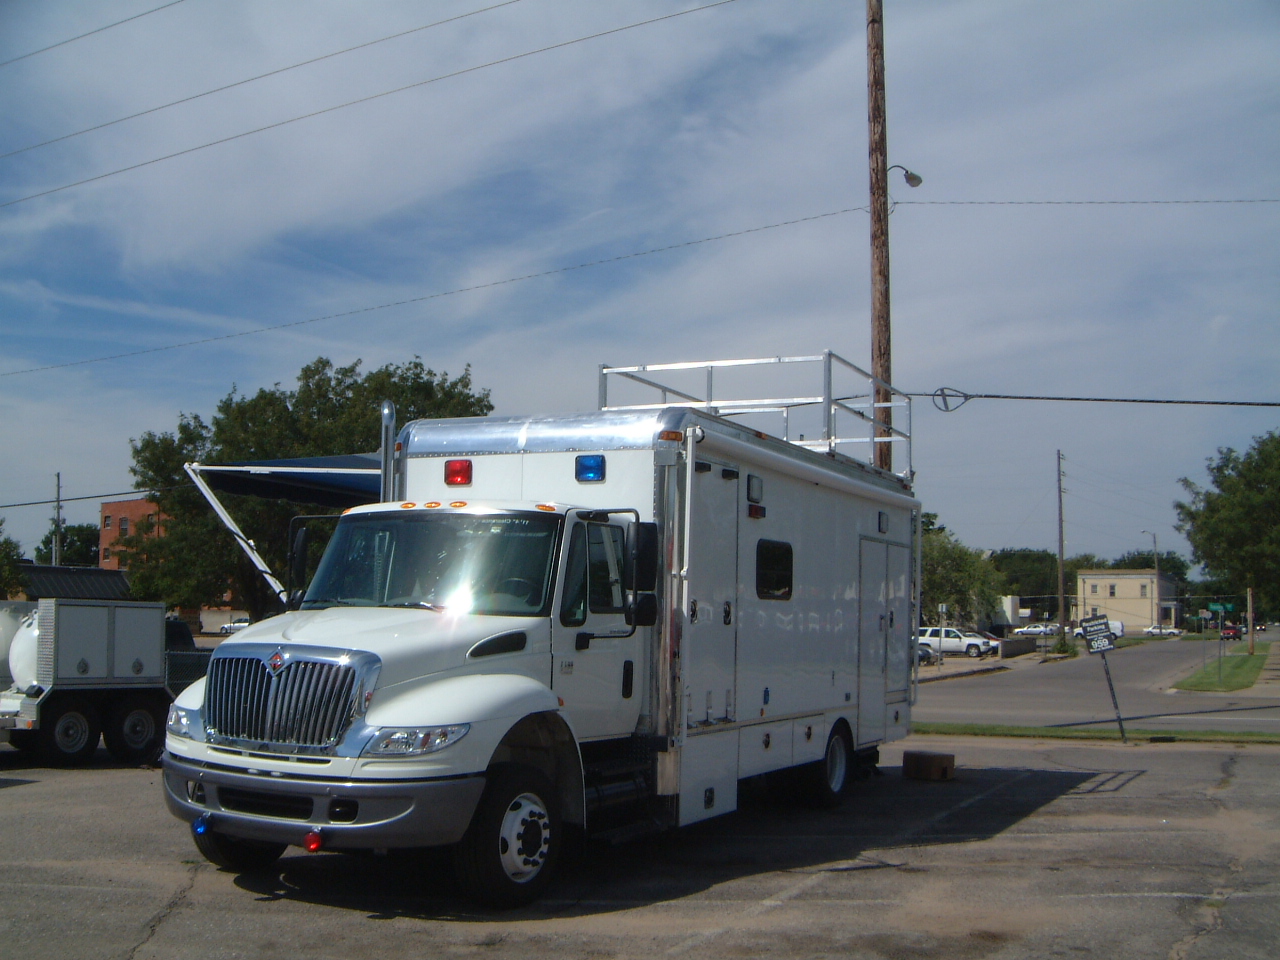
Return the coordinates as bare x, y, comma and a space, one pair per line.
120, 518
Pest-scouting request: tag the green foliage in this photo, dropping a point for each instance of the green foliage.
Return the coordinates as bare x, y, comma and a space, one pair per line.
1033, 576
1234, 523
333, 411
962, 578
79, 545
10, 557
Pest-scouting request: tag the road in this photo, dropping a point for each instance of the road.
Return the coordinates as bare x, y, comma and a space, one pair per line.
1036, 849
1074, 693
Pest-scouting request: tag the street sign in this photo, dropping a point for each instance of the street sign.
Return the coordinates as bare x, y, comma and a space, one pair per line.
1098, 639
1097, 634
1223, 607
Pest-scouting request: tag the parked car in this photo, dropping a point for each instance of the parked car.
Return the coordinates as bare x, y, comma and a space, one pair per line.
1038, 630
925, 654
1160, 630
235, 626
954, 640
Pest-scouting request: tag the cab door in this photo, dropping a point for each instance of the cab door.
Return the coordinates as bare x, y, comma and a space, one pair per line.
593, 649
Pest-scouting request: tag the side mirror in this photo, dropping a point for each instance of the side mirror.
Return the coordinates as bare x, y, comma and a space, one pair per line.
642, 558
644, 611
295, 599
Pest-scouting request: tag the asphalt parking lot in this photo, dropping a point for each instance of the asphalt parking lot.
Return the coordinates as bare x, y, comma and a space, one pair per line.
1036, 849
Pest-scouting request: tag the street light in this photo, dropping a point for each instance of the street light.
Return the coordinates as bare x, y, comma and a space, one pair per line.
1155, 554
913, 179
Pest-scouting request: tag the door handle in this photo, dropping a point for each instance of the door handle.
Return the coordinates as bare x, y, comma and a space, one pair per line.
583, 641
728, 613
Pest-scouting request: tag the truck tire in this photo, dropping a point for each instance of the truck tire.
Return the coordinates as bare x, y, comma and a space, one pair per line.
69, 731
827, 780
134, 731
973, 651
24, 741
509, 852
234, 853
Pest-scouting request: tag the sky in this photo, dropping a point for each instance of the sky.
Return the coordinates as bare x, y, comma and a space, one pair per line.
503, 159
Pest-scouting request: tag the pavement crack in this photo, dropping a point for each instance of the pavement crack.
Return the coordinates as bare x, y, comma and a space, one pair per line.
154, 924
1208, 920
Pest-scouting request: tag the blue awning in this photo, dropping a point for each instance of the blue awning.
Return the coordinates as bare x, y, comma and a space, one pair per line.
340, 482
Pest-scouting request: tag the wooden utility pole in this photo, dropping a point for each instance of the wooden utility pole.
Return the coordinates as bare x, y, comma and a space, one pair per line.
1062, 567
1250, 595
878, 152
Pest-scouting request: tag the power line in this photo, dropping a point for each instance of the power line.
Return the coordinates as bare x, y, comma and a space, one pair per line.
98, 496
63, 43
948, 400
1072, 203
261, 76
433, 296
360, 100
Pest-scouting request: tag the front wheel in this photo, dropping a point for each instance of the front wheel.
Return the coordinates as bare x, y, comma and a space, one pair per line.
510, 850
973, 650
69, 732
235, 853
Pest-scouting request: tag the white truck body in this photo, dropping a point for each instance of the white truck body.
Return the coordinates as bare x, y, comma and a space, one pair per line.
785, 599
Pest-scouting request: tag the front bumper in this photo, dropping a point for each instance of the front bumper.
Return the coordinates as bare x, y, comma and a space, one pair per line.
349, 814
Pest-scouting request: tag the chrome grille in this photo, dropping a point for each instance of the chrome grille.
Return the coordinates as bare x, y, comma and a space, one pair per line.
306, 703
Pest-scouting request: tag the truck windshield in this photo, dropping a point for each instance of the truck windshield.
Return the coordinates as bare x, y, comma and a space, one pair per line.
499, 565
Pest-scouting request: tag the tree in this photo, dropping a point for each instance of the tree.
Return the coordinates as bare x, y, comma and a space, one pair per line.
1032, 576
1233, 525
10, 557
333, 411
79, 544
951, 573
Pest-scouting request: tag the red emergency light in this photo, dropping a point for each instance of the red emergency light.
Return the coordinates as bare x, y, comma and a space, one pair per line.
457, 473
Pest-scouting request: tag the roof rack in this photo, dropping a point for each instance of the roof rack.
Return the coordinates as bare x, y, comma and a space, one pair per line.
859, 425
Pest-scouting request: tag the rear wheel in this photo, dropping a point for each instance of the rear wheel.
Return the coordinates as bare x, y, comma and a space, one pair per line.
510, 850
69, 732
134, 732
235, 853
828, 779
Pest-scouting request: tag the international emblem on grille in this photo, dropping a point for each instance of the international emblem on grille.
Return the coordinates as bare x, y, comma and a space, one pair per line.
276, 662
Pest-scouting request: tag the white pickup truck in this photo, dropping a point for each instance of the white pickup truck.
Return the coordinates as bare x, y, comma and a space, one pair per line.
953, 640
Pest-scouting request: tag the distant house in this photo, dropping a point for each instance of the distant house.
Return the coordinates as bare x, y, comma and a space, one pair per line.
1131, 596
120, 518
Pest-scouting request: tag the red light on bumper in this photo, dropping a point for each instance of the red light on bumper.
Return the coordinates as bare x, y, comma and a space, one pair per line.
312, 842
457, 473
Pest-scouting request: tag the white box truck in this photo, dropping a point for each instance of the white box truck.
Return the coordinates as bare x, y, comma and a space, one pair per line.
603, 621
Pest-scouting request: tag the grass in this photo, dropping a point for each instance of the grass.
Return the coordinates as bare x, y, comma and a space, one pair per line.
1089, 733
1238, 671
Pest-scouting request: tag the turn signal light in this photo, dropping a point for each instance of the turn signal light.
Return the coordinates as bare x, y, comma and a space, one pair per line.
457, 473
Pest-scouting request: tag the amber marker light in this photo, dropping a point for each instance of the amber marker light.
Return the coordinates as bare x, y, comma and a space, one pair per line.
458, 503
547, 507
406, 506
671, 435
432, 505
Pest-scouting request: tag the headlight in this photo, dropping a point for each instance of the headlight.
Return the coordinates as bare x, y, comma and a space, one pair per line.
414, 741
179, 722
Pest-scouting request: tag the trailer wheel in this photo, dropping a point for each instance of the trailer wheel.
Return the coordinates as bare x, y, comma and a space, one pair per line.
235, 853
973, 650
69, 732
134, 732
510, 850
828, 779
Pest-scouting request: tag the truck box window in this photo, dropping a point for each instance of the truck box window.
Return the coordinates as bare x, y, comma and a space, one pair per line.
773, 570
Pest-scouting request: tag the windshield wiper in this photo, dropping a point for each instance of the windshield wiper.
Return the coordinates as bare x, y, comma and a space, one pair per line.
336, 601
417, 604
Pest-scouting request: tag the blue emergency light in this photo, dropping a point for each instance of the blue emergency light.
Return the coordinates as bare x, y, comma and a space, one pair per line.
589, 468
